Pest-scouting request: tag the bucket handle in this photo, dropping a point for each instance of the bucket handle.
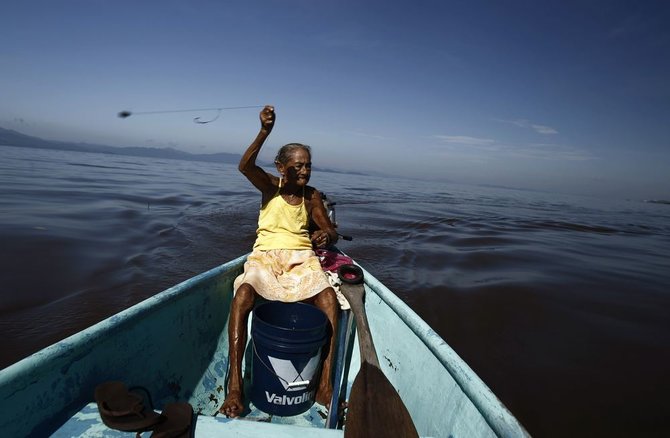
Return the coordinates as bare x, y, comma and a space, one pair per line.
296, 386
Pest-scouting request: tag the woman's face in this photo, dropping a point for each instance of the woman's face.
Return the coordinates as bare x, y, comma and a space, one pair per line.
298, 169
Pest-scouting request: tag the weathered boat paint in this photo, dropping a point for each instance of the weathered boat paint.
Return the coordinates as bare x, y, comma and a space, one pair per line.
152, 344
444, 396
175, 345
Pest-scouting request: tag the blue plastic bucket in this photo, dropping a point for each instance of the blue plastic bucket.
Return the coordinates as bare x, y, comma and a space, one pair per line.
287, 340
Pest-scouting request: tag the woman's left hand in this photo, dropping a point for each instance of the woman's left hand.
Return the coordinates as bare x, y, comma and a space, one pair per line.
320, 239
267, 116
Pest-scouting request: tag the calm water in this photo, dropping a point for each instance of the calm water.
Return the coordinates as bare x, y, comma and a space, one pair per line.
559, 303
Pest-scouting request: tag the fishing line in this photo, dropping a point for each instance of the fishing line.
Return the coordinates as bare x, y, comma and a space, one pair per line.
202, 122
126, 114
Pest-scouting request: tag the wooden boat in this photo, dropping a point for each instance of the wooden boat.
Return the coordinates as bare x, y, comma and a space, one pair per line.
175, 345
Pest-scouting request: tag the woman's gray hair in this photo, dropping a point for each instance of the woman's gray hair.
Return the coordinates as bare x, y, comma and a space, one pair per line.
287, 150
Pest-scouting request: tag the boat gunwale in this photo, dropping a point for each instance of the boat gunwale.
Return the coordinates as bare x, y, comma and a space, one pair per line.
498, 417
110, 324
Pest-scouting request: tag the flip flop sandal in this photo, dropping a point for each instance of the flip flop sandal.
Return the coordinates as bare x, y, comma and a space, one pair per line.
123, 410
178, 421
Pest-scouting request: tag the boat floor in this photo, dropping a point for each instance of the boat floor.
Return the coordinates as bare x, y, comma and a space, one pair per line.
252, 423
87, 424
206, 401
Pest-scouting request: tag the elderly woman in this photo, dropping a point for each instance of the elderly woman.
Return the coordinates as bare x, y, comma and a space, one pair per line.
282, 265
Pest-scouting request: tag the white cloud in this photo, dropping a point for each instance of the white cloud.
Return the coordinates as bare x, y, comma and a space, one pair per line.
548, 151
489, 149
462, 139
542, 129
527, 124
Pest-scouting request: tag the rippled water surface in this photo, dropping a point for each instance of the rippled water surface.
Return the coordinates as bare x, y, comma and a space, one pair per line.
559, 303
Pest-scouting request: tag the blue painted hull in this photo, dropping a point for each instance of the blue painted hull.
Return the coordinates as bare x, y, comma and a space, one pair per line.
175, 345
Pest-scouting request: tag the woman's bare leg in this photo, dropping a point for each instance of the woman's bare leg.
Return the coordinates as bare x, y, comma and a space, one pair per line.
243, 303
326, 300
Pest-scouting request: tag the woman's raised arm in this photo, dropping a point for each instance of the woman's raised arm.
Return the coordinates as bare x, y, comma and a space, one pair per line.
258, 177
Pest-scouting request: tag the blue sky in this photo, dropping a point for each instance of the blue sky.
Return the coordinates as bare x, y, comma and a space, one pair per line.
567, 96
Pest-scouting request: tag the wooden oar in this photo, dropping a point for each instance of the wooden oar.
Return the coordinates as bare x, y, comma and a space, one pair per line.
375, 408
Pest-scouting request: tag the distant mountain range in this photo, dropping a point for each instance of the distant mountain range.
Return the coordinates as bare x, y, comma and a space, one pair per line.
10, 137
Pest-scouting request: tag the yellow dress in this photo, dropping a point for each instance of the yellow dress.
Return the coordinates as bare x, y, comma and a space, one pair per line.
282, 265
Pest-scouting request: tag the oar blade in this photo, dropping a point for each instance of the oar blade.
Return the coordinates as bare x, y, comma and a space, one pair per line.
375, 409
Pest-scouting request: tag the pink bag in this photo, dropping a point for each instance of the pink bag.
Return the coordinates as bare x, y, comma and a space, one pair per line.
331, 260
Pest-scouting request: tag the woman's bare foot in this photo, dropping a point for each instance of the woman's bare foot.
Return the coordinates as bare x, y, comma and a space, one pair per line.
232, 405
